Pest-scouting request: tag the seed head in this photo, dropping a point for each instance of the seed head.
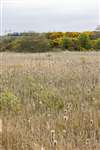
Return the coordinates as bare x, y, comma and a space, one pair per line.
65, 118
52, 131
91, 122
55, 142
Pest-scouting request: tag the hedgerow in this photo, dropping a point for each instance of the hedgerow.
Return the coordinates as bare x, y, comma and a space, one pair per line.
44, 42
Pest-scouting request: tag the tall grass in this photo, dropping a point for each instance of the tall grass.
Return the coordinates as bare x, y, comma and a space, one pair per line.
50, 101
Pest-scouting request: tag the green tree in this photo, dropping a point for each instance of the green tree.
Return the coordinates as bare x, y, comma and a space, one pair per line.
76, 44
97, 44
84, 41
66, 43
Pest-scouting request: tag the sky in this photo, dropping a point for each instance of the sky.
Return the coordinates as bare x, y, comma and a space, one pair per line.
48, 15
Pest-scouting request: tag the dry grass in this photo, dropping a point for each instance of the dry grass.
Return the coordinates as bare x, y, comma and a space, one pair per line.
50, 101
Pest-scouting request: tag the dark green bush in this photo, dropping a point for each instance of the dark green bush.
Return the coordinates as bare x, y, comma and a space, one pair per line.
84, 41
5, 43
97, 45
30, 44
66, 43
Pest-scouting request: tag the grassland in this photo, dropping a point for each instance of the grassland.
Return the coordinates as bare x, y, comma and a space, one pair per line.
50, 101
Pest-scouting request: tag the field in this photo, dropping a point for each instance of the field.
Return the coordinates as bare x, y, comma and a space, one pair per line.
50, 101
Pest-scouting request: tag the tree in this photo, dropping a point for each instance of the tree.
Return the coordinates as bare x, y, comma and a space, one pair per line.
98, 44
66, 42
84, 41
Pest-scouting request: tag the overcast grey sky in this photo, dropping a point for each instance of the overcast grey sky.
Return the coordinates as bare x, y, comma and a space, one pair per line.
49, 15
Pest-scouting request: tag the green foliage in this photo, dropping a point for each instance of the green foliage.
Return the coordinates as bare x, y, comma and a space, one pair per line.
54, 43
31, 44
44, 42
44, 96
51, 99
9, 102
66, 42
97, 46
76, 44
93, 44
84, 41
32, 91
22, 44
5, 43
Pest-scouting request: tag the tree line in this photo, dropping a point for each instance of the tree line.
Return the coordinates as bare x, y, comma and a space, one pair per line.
51, 41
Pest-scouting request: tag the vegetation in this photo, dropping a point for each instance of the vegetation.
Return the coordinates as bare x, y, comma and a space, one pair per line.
50, 101
98, 44
84, 41
44, 42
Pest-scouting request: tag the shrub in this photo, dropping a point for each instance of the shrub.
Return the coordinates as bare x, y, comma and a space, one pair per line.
30, 44
97, 46
76, 44
22, 45
5, 43
84, 41
72, 34
54, 43
9, 102
93, 44
54, 35
66, 43
44, 42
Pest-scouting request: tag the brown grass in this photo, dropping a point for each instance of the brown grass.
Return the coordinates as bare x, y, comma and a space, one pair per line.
50, 101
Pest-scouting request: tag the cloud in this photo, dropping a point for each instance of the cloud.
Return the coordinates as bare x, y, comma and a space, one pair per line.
44, 15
